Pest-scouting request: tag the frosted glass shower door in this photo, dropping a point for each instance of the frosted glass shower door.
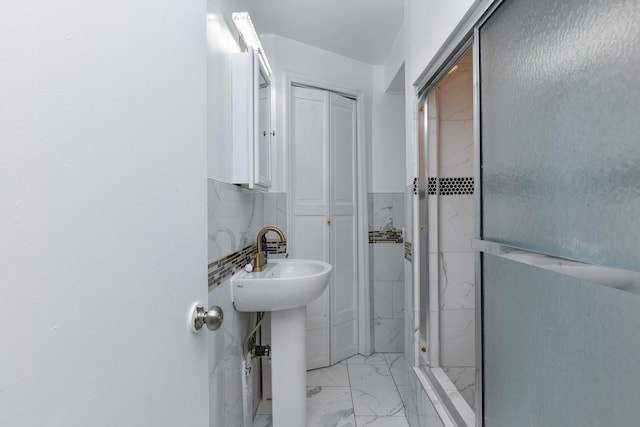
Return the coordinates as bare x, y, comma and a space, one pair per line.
560, 212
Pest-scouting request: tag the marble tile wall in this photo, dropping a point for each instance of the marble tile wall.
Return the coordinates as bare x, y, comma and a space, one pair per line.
386, 251
452, 209
235, 216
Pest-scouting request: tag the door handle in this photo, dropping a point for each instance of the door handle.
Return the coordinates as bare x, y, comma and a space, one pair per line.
212, 318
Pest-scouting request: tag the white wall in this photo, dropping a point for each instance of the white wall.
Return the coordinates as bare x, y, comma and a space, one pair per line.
383, 114
427, 24
395, 58
387, 138
290, 56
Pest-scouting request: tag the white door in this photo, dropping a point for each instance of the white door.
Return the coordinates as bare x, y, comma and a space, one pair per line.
342, 234
324, 218
102, 214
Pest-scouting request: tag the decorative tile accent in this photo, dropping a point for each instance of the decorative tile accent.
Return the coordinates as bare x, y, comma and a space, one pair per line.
433, 186
451, 186
275, 246
408, 251
223, 268
386, 236
220, 270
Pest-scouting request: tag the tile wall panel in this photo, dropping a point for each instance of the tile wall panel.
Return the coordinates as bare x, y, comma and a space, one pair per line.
386, 251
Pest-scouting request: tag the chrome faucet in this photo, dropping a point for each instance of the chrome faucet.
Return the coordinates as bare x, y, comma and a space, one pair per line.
260, 257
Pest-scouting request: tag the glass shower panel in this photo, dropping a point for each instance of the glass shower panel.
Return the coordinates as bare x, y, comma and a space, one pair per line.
558, 351
560, 129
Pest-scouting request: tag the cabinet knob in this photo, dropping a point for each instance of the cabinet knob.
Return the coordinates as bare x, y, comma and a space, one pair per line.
273, 133
264, 133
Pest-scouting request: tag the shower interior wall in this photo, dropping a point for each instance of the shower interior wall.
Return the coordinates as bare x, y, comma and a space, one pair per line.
451, 226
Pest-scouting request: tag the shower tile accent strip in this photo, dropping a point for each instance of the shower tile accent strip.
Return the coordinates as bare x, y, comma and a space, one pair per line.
385, 236
223, 268
451, 186
408, 251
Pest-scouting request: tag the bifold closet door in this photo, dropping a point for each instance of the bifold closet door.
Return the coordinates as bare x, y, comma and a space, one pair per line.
322, 186
309, 186
342, 230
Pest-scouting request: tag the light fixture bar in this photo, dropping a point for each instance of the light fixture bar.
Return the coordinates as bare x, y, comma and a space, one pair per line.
243, 23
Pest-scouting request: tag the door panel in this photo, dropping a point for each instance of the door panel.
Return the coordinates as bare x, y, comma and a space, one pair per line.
310, 150
344, 326
310, 184
343, 136
317, 346
103, 214
324, 215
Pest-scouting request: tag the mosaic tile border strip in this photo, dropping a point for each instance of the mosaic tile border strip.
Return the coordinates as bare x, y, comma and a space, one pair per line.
275, 246
386, 236
223, 268
456, 186
408, 251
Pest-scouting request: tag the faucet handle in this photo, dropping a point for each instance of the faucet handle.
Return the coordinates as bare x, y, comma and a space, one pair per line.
250, 264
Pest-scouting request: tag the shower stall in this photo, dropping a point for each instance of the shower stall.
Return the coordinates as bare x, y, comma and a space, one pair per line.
550, 227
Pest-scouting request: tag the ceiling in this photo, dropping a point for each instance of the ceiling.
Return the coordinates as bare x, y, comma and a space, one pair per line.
360, 29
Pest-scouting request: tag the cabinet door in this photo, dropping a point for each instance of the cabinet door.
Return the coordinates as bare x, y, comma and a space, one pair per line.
246, 160
263, 135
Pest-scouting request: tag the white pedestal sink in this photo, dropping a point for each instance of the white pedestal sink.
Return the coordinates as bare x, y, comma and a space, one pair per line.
284, 288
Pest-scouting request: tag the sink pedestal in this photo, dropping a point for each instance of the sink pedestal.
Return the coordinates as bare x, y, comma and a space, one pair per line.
289, 367
284, 287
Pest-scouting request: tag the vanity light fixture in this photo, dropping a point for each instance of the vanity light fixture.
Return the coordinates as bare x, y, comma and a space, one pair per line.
243, 23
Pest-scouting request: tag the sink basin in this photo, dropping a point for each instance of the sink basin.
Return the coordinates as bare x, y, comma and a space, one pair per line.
283, 284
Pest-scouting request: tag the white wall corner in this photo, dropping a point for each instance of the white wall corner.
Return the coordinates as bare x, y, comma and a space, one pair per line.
387, 157
394, 65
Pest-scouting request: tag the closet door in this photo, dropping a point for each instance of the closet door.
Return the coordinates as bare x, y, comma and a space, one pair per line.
323, 196
309, 188
342, 227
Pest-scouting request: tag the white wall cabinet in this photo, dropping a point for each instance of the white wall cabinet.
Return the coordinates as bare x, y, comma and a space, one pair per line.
245, 157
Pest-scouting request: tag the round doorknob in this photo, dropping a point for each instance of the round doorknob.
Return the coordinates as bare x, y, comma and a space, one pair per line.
212, 318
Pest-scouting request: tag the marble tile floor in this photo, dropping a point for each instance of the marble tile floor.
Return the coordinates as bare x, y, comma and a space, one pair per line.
360, 391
